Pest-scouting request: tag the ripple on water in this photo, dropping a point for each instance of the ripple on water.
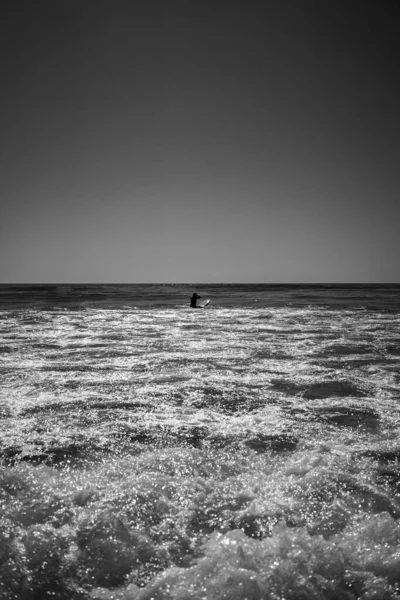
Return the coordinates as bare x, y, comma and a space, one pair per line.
159, 456
347, 416
323, 389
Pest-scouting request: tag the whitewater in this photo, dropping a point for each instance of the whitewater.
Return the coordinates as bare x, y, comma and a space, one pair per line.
249, 450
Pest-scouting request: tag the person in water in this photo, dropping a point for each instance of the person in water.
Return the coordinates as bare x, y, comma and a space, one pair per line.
193, 301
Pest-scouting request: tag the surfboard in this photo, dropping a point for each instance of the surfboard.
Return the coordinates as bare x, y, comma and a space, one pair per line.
206, 303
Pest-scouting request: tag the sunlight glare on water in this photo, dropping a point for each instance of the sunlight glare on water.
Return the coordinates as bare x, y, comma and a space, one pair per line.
225, 453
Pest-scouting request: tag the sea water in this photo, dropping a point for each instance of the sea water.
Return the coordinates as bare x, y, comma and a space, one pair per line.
247, 450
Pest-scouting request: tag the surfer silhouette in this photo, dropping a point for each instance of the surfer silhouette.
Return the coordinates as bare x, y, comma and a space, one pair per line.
193, 301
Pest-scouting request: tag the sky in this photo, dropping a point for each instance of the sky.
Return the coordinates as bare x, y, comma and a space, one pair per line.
199, 141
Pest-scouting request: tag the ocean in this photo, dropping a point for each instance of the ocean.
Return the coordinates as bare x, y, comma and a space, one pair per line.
249, 450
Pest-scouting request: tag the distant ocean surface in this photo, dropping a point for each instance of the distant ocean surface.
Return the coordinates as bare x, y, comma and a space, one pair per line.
249, 450
148, 296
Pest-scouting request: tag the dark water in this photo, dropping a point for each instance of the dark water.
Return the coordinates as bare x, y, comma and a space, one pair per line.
113, 296
248, 450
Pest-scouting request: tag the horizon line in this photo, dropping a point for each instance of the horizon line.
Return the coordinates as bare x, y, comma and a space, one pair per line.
193, 283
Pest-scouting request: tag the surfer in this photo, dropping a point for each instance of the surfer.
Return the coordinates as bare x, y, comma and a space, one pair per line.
193, 301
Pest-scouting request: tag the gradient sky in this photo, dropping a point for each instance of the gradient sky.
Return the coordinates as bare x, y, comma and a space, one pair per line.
200, 141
